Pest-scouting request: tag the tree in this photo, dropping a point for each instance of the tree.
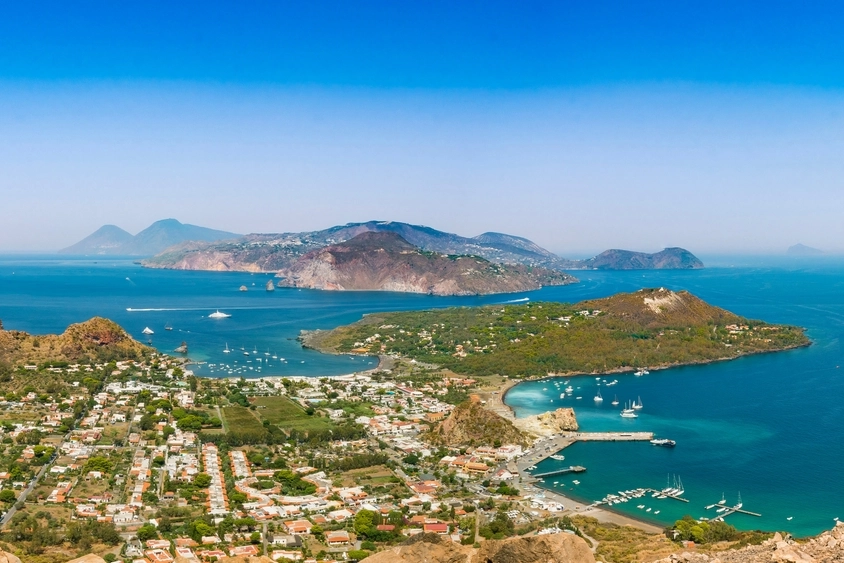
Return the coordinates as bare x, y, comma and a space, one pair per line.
8, 496
202, 480
109, 558
147, 532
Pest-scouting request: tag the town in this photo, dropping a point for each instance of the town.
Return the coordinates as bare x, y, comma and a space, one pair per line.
141, 461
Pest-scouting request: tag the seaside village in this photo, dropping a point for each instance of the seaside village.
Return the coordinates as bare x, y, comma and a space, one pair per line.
142, 462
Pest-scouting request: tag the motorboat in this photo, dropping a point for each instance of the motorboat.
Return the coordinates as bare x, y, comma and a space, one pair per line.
148, 330
218, 315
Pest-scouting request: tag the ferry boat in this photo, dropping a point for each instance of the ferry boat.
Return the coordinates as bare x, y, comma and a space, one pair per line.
664, 442
629, 413
218, 315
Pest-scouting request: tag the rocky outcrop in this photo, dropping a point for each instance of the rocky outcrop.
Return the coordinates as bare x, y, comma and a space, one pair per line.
470, 424
828, 547
430, 548
384, 261
548, 423
90, 558
95, 339
8, 558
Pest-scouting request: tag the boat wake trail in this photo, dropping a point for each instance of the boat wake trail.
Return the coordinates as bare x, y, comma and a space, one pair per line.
522, 300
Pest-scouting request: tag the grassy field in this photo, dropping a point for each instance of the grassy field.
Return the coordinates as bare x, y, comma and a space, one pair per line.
377, 475
242, 419
289, 415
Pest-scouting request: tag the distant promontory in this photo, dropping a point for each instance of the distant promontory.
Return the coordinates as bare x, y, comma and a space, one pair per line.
384, 261
278, 252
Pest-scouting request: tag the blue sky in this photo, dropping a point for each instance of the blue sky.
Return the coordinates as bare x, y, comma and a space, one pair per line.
715, 126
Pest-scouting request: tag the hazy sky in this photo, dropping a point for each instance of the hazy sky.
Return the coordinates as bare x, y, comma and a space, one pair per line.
716, 127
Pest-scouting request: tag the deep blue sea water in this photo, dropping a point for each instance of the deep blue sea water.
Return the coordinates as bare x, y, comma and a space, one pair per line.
768, 426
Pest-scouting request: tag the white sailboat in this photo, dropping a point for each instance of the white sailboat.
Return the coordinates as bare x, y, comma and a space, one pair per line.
226, 351
598, 398
638, 405
615, 401
628, 412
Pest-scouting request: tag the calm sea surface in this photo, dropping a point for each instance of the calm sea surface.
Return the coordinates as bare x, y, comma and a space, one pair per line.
768, 427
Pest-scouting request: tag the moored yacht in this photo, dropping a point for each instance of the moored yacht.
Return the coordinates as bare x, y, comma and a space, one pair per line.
226, 351
628, 413
638, 405
148, 330
218, 315
598, 398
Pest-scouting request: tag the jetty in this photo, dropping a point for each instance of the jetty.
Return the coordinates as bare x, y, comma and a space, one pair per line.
547, 447
563, 471
728, 510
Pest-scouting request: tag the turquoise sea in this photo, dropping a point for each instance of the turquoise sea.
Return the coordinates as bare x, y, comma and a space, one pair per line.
768, 427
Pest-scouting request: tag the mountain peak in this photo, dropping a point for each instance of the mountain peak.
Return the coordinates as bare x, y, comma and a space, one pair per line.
112, 240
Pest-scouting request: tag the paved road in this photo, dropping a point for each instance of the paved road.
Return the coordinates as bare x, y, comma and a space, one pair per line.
25, 493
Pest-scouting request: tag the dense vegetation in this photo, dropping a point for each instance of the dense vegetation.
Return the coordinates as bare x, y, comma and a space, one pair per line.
649, 328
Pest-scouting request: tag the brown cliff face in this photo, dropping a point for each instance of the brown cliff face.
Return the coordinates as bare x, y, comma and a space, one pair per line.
430, 548
384, 261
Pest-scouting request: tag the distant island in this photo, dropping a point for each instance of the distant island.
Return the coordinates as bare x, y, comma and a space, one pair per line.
277, 252
803, 250
114, 241
649, 328
384, 261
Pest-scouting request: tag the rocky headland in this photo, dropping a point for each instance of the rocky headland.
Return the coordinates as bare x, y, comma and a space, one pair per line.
376, 261
273, 252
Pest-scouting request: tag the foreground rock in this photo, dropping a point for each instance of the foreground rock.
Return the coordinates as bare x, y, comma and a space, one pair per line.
430, 548
548, 423
825, 548
8, 558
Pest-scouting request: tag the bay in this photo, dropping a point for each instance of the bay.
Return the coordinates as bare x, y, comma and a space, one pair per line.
766, 426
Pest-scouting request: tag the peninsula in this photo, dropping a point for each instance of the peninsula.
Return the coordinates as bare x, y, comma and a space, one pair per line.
384, 261
654, 328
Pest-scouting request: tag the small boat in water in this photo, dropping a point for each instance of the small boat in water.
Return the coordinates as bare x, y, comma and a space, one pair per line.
168, 327
148, 330
638, 405
244, 288
226, 351
615, 401
598, 398
664, 442
218, 315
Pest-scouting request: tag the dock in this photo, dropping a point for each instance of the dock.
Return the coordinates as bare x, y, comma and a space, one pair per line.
731, 510
571, 469
547, 447
612, 436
